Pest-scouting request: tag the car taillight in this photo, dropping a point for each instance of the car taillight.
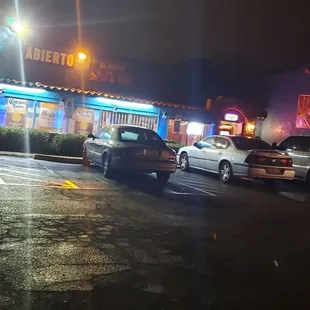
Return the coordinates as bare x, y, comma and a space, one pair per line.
172, 156
288, 162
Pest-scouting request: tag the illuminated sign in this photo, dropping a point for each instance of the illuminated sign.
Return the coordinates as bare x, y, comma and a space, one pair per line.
48, 56
110, 72
231, 117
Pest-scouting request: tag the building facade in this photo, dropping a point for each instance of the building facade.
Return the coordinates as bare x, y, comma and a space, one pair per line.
288, 106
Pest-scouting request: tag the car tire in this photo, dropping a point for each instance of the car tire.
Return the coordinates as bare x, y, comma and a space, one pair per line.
107, 171
184, 164
308, 178
163, 176
85, 162
225, 172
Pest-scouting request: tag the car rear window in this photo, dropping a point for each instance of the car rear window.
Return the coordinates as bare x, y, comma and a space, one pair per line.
140, 135
242, 143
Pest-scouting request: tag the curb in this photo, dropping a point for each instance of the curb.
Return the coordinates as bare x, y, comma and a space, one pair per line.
16, 154
59, 159
53, 158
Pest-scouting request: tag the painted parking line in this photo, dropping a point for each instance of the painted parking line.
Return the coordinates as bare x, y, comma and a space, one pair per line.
1, 181
197, 189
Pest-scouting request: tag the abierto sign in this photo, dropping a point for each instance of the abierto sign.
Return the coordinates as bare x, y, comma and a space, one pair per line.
48, 56
16, 110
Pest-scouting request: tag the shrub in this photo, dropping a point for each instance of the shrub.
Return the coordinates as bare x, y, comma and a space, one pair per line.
174, 146
15, 139
68, 145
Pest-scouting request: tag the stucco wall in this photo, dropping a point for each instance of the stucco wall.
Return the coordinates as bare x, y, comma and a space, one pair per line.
284, 90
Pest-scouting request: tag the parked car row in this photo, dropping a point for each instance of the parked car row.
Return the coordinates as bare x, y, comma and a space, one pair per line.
123, 148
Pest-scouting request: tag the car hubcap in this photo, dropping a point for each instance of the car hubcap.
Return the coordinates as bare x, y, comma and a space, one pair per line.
105, 164
183, 162
225, 172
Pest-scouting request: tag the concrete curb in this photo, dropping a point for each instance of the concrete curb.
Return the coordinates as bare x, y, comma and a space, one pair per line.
16, 154
59, 159
53, 158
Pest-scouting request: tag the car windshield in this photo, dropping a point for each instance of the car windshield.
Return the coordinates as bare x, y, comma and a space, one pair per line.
140, 136
242, 143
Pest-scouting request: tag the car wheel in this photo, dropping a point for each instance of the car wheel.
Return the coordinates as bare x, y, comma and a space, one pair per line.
308, 178
85, 161
184, 165
226, 173
107, 171
163, 176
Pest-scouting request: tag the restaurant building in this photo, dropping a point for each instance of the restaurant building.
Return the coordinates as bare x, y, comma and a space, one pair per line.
76, 111
289, 105
88, 95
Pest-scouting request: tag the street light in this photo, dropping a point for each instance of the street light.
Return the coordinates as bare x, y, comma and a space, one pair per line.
17, 28
81, 56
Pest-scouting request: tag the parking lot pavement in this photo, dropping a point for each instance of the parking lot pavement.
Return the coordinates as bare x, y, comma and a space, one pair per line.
202, 183
193, 244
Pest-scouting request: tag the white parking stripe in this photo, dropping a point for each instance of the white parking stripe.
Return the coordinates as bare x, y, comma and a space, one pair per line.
20, 177
10, 166
197, 189
21, 172
1, 181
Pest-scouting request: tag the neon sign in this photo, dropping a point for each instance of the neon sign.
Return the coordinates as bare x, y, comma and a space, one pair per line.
231, 117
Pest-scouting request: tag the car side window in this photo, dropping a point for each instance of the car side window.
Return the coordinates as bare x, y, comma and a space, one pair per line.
99, 133
299, 144
206, 143
303, 144
220, 143
288, 143
107, 134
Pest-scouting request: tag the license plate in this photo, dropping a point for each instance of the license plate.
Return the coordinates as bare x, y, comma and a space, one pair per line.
274, 171
152, 153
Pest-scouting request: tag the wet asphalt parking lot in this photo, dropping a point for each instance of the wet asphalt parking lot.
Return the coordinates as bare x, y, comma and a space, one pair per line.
71, 239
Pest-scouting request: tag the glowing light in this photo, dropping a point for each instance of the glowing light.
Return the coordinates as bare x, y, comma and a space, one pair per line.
22, 89
17, 27
195, 128
81, 56
127, 104
231, 117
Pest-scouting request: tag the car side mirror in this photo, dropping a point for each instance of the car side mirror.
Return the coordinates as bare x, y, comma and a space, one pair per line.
91, 136
196, 145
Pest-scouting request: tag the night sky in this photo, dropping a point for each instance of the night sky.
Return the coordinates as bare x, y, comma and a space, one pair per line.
256, 35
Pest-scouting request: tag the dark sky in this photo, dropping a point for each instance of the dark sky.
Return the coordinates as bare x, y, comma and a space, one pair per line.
256, 34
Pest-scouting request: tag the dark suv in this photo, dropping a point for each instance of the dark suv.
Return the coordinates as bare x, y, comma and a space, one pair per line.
298, 147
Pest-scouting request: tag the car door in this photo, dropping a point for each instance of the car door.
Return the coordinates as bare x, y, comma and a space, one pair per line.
298, 148
198, 155
101, 143
90, 144
215, 153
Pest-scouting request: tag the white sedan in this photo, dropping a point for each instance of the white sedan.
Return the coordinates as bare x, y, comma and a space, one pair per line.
231, 156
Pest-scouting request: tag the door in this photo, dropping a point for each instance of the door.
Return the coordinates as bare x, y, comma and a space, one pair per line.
298, 147
198, 154
101, 143
215, 153
90, 144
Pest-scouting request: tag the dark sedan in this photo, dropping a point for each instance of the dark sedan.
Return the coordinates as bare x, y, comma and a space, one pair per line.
130, 148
